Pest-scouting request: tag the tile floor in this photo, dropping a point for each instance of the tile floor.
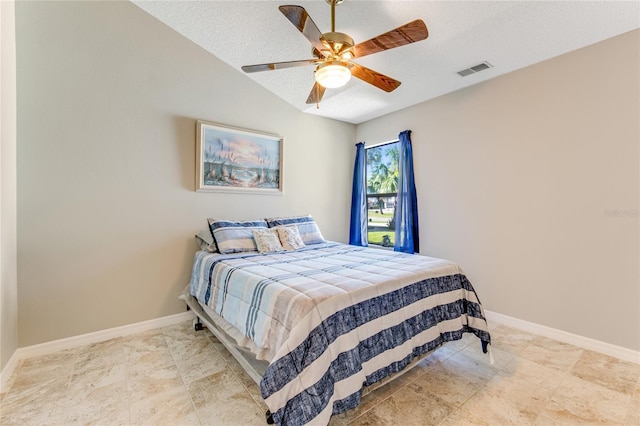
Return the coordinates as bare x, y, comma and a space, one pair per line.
176, 376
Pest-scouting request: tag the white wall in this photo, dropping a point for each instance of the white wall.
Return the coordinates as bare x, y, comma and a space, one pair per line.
8, 262
531, 182
107, 103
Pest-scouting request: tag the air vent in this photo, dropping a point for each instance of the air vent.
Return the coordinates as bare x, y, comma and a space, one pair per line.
474, 69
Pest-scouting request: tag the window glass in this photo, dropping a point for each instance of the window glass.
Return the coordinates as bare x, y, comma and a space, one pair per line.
382, 189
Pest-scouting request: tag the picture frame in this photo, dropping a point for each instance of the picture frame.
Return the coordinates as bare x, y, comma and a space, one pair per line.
235, 160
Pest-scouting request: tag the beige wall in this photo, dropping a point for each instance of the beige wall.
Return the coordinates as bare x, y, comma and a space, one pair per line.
107, 102
8, 262
531, 182
519, 177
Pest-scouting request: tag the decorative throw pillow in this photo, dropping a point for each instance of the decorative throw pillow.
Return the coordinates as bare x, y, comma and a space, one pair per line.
290, 237
235, 236
267, 240
307, 227
205, 241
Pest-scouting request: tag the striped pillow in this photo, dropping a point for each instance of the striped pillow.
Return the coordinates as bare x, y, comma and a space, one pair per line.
307, 227
235, 236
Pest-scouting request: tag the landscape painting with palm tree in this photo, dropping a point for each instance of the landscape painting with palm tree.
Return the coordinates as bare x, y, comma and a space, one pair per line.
233, 158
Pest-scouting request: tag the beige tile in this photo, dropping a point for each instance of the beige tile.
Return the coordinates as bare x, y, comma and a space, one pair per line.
252, 388
633, 414
543, 420
171, 407
532, 372
552, 353
107, 404
141, 344
188, 327
52, 360
445, 351
44, 368
508, 400
389, 389
178, 335
383, 414
500, 357
199, 359
420, 406
450, 384
85, 382
607, 371
510, 339
462, 417
140, 379
221, 399
577, 400
59, 414
42, 403
457, 345
144, 384
339, 420
12, 378
99, 355
182, 328
465, 363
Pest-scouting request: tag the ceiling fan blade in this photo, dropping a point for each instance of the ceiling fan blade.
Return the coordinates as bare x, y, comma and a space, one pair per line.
303, 22
408, 33
278, 65
381, 81
316, 94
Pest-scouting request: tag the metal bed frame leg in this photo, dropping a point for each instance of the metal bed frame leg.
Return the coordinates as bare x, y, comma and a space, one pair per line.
269, 417
197, 324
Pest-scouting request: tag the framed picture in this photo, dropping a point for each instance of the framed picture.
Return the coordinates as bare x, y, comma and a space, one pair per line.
237, 160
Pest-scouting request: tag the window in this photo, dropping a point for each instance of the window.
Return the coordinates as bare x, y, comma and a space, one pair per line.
382, 189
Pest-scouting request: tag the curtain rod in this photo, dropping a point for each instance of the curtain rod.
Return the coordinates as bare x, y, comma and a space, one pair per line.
381, 143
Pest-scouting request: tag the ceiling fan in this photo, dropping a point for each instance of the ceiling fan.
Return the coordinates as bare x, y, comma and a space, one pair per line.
334, 51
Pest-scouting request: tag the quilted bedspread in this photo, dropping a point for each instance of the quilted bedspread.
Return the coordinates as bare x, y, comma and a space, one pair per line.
334, 318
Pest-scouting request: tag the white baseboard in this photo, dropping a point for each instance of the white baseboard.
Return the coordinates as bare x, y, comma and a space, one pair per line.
563, 336
86, 339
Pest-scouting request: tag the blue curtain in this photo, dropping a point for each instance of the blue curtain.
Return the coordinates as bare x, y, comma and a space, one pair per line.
358, 228
407, 238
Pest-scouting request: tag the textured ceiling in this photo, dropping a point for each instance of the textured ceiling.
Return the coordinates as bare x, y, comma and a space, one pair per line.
508, 34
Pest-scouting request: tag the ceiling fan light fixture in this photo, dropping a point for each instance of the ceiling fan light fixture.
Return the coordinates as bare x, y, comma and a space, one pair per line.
333, 74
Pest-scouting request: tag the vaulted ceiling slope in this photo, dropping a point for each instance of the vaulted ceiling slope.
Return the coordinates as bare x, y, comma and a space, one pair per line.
509, 35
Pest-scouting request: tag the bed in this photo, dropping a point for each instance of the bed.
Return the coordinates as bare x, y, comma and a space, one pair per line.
318, 326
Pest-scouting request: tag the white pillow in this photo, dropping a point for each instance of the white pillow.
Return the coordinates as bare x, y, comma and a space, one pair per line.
205, 241
290, 237
267, 240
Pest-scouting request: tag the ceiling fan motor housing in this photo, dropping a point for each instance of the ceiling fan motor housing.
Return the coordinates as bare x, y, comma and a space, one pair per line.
339, 45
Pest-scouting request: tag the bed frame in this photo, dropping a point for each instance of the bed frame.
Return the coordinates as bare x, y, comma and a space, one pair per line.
256, 368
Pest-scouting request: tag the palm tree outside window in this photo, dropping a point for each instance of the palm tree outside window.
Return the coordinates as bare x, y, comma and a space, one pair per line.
382, 167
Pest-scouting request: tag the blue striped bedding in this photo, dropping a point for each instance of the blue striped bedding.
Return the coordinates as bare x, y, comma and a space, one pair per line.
332, 318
